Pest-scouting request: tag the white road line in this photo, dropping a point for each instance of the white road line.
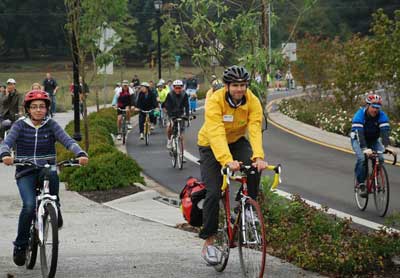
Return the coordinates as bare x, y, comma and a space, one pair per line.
343, 215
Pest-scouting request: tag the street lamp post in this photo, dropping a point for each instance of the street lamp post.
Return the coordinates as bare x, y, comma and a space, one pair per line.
158, 6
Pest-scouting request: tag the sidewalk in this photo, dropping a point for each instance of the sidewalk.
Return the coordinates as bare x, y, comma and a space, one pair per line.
135, 239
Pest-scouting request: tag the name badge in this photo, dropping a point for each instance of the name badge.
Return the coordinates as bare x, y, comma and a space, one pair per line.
228, 118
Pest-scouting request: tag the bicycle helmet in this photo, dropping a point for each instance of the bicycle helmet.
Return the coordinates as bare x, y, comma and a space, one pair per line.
374, 100
217, 84
11, 81
145, 84
36, 95
236, 74
177, 83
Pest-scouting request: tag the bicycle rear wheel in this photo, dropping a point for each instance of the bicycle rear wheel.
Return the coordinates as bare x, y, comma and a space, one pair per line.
251, 241
222, 238
49, 246
174, 155
180, 153
381, 191
361, 202
31, 253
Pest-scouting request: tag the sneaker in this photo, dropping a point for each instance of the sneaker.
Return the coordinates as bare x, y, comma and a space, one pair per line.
129, 126
363, 190
141, 136
119, 137
169, 144
60, 220
210, 255
19, 255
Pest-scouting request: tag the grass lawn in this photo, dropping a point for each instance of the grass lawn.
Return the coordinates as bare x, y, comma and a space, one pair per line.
27, 73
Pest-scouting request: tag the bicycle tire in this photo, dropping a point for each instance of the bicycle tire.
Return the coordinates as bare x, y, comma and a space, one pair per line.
222, 239
173, 151
382, 190
123, 129
252, 249
180, 153
361, 202
32, 250
49, 262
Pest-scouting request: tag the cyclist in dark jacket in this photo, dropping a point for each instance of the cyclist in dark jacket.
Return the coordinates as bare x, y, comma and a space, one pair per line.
147, 101
176, 105
33, 138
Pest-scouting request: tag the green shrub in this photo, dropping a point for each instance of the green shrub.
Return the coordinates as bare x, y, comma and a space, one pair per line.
313, 240
106, 171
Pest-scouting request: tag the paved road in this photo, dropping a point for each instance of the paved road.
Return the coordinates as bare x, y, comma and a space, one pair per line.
317, 173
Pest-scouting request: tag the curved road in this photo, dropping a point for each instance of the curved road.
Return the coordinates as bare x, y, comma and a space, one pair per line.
317, 173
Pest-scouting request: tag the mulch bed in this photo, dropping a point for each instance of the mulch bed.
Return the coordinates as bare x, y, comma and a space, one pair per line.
103, 196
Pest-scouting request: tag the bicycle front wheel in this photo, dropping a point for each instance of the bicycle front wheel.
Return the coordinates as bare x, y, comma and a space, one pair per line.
180, 153
174, 154
49, 246
123, 129
31, 253
251, 240
361, 202
222, 238
381, 191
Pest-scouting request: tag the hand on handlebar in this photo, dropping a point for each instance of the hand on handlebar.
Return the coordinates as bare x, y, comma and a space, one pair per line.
83, 160
8, 160
367, 152
390, 150
234, 165
260, 164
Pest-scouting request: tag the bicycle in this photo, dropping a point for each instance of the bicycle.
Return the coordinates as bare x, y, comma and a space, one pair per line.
247, 230
44, 226
377, 183
177, 150
124, 125
147, 126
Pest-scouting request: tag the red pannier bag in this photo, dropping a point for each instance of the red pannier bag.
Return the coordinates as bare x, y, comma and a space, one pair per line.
192, 198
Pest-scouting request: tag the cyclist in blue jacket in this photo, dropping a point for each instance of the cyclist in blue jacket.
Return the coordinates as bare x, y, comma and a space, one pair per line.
369, 132
33, 139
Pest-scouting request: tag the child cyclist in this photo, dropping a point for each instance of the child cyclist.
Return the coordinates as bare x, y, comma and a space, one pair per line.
33, 138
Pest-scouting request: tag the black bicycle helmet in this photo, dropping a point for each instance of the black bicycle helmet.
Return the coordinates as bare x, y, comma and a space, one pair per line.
236, 74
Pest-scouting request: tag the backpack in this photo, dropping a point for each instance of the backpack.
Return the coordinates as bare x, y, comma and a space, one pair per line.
192, 198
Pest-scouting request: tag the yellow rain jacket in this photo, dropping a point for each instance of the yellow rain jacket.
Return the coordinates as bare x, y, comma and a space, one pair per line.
224, 125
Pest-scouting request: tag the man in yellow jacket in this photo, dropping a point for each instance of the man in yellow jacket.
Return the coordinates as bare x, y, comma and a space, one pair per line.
231, 113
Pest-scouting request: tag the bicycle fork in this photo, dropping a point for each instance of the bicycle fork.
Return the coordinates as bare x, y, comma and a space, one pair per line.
43, 199
253, 228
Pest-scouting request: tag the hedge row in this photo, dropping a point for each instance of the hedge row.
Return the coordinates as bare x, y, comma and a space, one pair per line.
316, 241
108, 168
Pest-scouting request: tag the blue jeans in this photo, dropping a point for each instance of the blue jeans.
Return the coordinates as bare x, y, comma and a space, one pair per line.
27, 190
359, 169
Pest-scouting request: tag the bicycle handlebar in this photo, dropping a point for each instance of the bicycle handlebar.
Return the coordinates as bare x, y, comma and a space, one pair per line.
184, 118
228, 174
376, 153
392, 154
64, 163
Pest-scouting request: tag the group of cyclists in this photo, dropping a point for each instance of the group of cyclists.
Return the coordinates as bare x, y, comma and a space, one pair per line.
230, 135
169, 99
